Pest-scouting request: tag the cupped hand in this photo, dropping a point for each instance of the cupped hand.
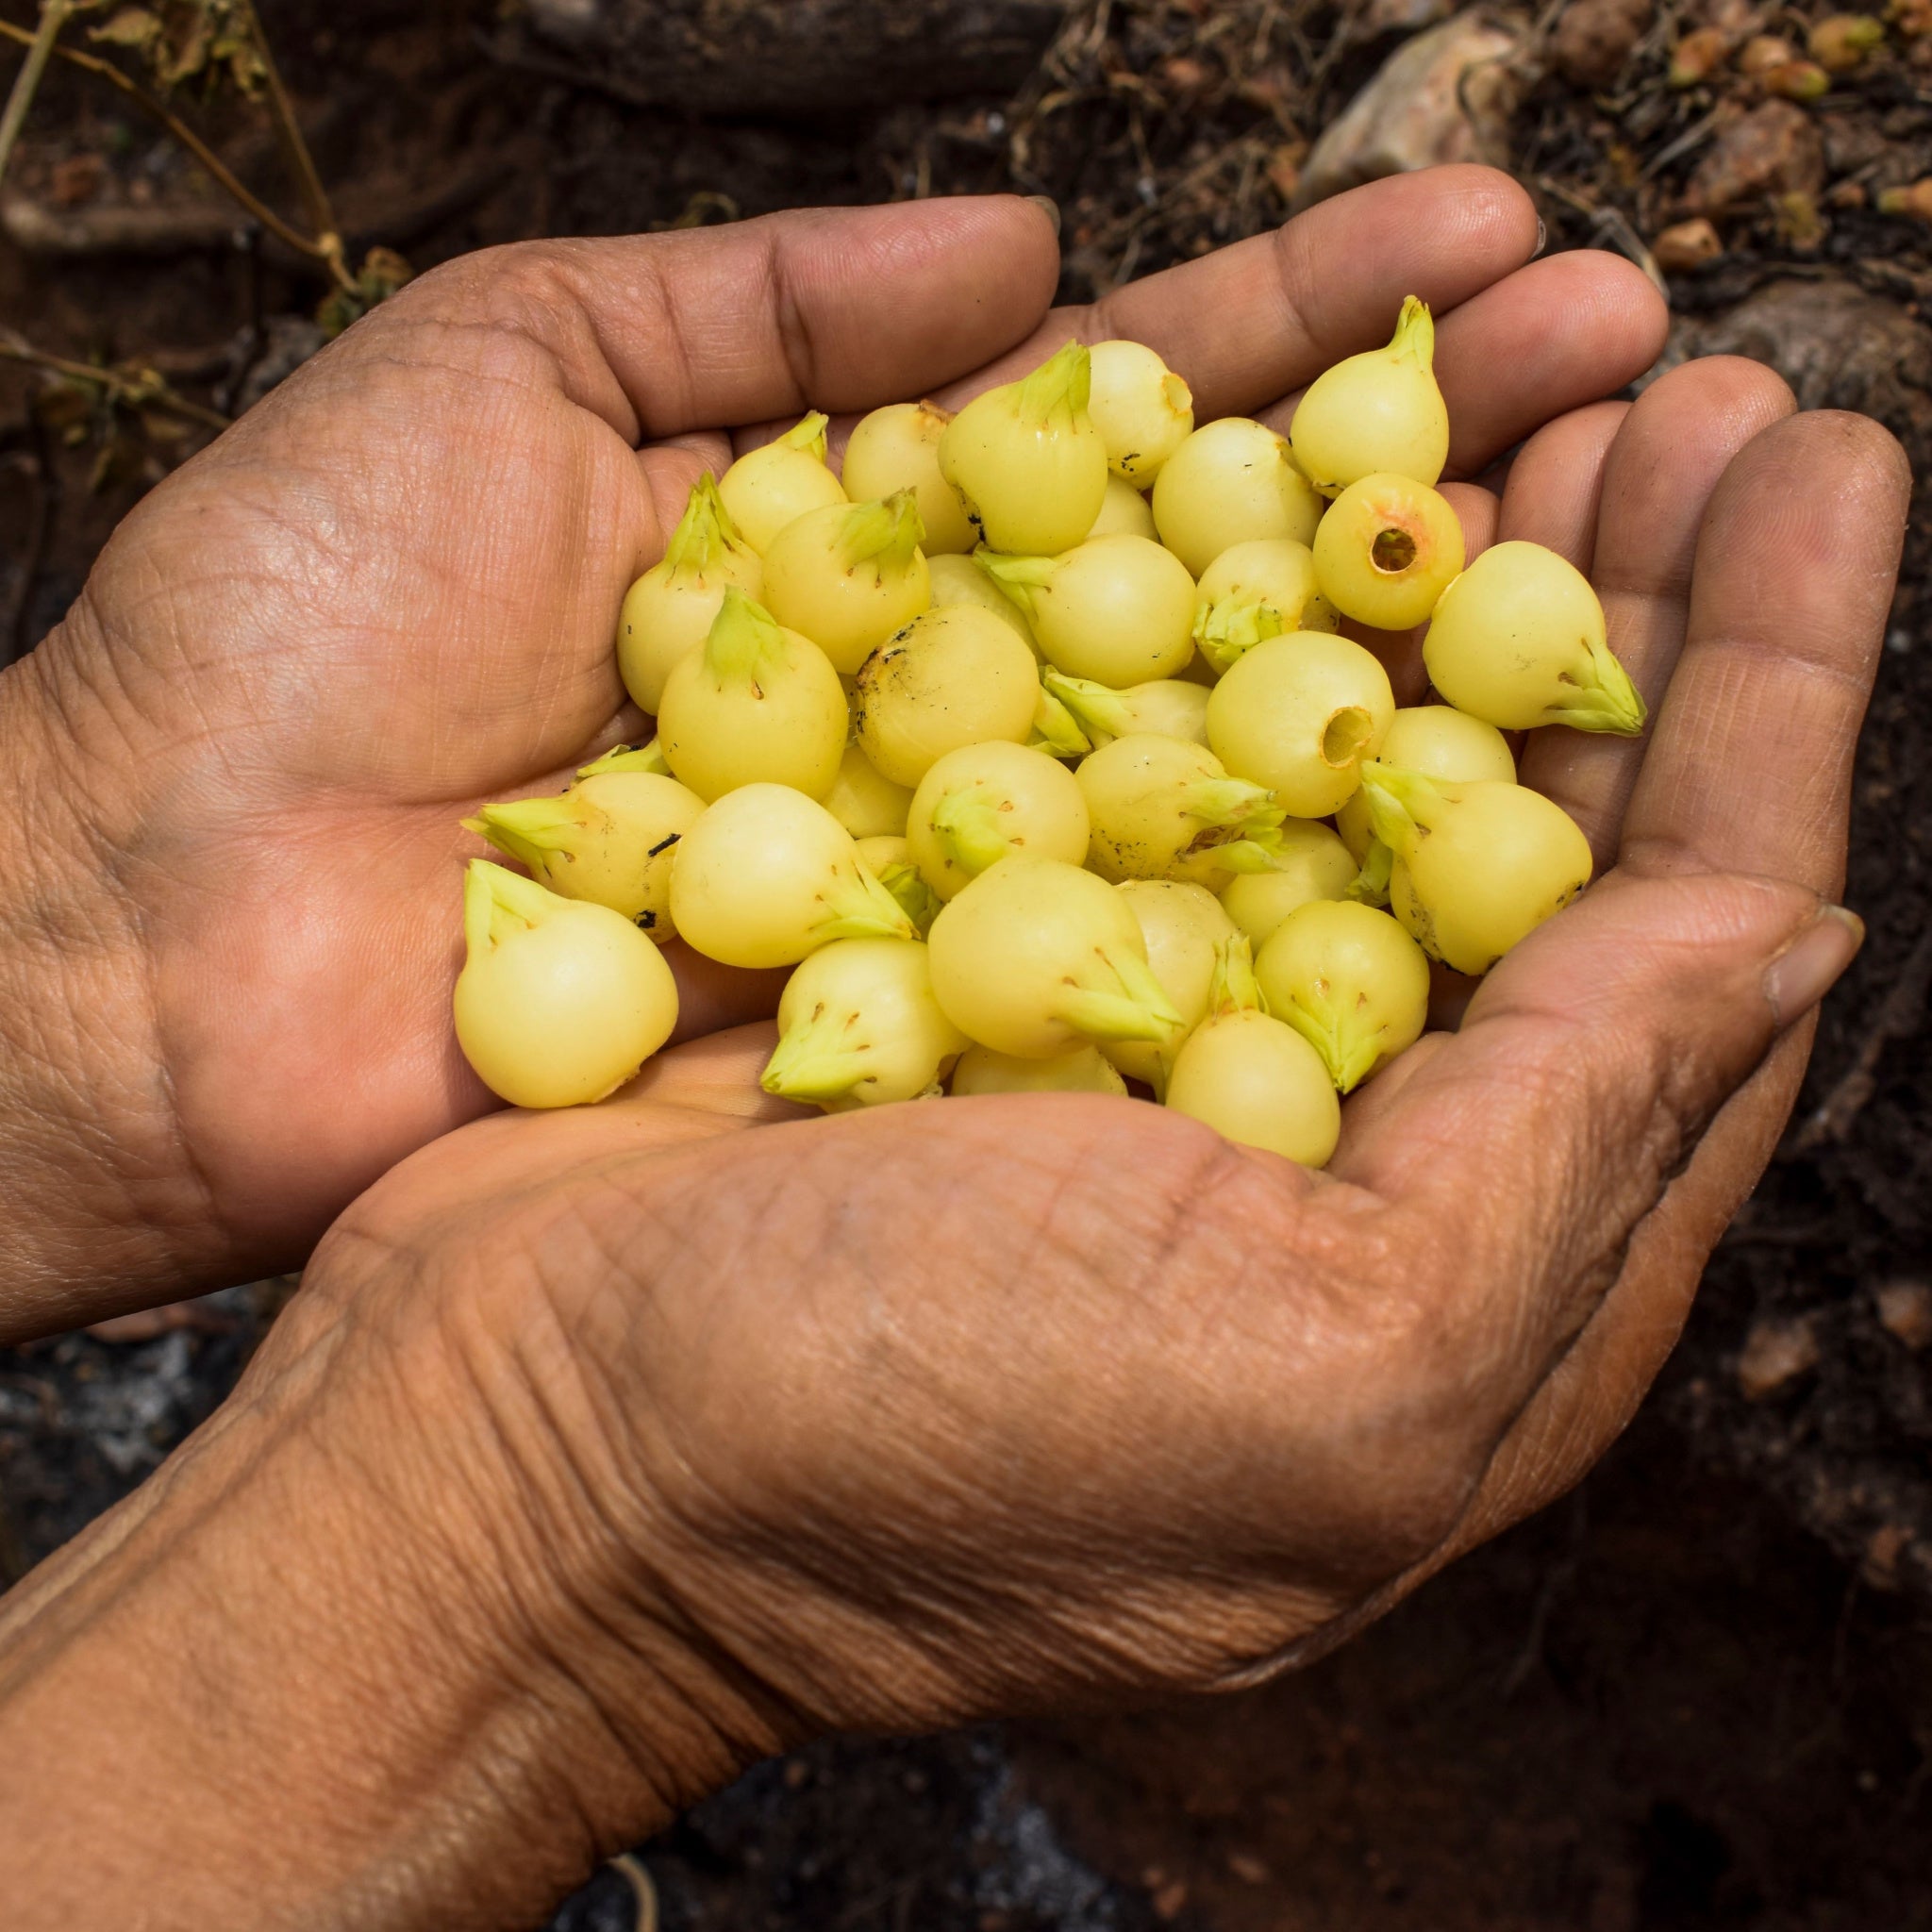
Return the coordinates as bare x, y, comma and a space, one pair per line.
644, 1439
604, 1451
388, 594
907, 1416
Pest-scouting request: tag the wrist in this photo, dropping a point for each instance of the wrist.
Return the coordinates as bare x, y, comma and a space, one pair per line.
344, 1672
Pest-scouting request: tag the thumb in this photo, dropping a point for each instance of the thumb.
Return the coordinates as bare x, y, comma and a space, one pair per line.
1586, 1072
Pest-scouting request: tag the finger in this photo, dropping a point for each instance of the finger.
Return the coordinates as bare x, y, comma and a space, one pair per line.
1251, 323
834, 309
1555, 336
1400, 651
1587, 1068
1596, 1387
1665, 463
1750, 757
1554, 490
1846, 484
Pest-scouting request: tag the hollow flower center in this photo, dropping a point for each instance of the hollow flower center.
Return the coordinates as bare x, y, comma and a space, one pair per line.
1393, 552
1346, 736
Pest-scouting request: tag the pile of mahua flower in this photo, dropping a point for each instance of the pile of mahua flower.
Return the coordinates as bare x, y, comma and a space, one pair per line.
1031, 743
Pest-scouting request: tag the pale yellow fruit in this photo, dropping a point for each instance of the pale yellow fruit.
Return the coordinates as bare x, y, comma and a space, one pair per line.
898, 448
1350, 981
1310, 863
859, 1026
1376, 413
849, 575
984, 803
1255, 590
890, 860
767, 487
1256, 1081
1439, 743
1124, 512
1025, 460
955, 676
1182, 926
1033, 957
560, 1001
1162, 808
1230, 482
759, 704
867, 805
1079, 1070
670, 610
1387, 549
1478, 866
1142, 409
1117, 609
1166, 707
959, 580
1518, 640
1299, 714
767, 875
609, 838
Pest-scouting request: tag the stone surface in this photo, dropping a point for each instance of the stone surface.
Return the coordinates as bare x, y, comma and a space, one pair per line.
1446, 95
1838, 346
805, 58
1686, 245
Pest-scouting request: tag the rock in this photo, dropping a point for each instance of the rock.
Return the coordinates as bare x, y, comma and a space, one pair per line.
1904, 1312
1412, 113
1687, 246
801, 59
1839, 347
1777, 1352
1775, 149
1592, 39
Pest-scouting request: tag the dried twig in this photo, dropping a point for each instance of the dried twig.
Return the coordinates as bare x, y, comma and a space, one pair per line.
40, 50
301, 163
159, 112
149, 391
642, 1886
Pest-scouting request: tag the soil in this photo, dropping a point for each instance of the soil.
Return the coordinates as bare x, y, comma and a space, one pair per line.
1697, 1694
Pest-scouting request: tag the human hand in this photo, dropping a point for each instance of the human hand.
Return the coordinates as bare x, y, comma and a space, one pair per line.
683, 1442
388, 595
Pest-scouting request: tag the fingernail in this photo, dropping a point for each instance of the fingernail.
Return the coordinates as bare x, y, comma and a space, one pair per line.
1808, 968
1051, 206
1543, 236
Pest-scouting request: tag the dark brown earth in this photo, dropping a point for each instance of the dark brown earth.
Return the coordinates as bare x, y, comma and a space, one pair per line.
1698, 1695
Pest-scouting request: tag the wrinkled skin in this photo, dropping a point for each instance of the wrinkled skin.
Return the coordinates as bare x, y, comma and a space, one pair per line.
602, 1451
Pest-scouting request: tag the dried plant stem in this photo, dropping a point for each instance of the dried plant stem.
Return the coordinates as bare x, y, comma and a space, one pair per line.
327, 251
300, 162
150, 393
40, 50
